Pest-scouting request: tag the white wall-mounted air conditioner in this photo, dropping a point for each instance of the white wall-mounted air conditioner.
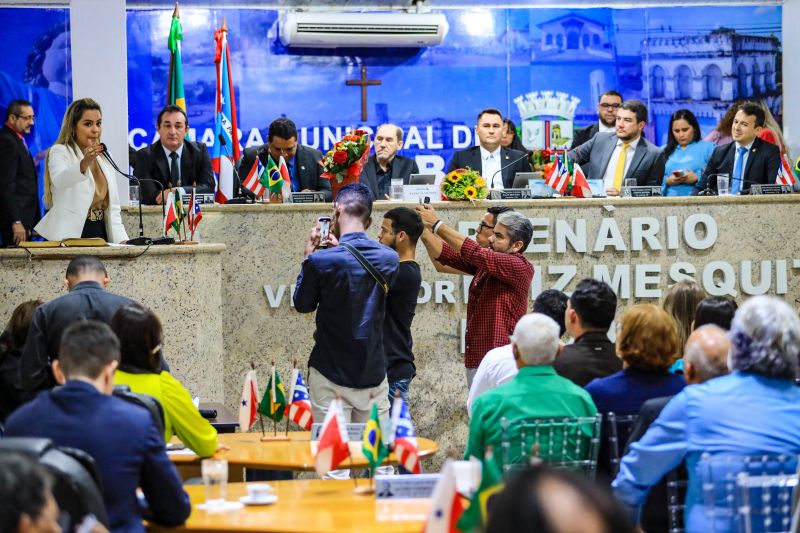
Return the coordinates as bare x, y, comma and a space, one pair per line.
335, 30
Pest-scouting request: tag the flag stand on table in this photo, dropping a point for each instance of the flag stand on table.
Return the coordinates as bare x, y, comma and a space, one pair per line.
273, 404
298, 405
247, 408
373, 446
332, 446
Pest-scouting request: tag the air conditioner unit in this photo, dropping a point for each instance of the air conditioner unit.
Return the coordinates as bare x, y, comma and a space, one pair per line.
334, 30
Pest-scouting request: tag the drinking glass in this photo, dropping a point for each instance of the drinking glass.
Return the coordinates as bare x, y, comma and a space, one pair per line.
215, 479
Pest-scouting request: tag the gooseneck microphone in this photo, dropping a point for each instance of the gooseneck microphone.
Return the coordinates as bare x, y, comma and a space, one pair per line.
141, 240
528, 153
239, 198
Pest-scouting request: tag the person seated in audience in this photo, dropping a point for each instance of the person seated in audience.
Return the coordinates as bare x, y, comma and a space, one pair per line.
27, 504
141, 338
648, 345
547, 500
722, 133
623, 154
685, 153
12, 341
498, 365
753, 410
590, 311
510, 139
535, 392
607, 107
302, 162
121, 437
747, 160
705, 358
680, 302
717, 310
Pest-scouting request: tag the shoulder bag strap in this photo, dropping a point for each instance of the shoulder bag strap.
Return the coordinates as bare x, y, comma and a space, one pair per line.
369, 267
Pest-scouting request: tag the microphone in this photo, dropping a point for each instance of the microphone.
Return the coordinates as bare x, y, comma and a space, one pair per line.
708, 191
528, 153
141, 240
239, 198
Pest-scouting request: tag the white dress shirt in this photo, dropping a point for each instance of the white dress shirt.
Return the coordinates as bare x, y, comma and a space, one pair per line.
491, 164
608, 177
497, 367
602, 128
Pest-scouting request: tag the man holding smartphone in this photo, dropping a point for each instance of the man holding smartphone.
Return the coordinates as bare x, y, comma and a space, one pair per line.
347, 284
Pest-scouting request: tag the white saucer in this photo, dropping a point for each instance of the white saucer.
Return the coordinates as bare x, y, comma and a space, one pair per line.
269, 500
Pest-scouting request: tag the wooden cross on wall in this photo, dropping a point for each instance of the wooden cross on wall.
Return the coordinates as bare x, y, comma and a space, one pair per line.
363, 82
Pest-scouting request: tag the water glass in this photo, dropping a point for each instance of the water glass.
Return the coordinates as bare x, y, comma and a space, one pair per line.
133, 195
723, 185
215, 479
397, 189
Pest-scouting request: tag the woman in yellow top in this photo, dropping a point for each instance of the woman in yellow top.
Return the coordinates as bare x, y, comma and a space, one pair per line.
140, 335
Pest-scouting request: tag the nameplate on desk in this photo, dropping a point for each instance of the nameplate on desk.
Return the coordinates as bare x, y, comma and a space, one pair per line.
404, 487
201, 198
643, 191
355, 432
772, 188
311, 197
413, 193
511, 194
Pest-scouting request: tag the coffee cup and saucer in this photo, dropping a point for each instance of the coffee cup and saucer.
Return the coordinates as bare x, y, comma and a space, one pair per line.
259, 494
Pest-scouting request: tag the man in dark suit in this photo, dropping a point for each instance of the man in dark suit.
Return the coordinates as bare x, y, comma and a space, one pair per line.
497, 165
385, 164
86, 281
610, 102
624, 154
590, 312
121, 437
173, 161
747, 159
301, 161
19, 185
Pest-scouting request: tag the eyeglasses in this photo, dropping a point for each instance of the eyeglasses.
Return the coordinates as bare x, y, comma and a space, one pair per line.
610, 106
483, 225
25, 117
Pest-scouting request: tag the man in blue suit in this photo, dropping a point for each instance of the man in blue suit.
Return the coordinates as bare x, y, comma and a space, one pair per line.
120, 436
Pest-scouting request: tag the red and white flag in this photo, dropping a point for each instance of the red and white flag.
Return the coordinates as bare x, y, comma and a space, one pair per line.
332, 447
785, 175
286, 190
252, 182
580, 187
559, 178
299, 408
248, 407
447, 504
404, 437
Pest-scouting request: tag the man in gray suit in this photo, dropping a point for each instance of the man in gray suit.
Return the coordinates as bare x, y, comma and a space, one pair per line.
623, 154
385, 164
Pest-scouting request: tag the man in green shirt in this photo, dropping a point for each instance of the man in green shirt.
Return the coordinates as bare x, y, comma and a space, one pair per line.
535, 392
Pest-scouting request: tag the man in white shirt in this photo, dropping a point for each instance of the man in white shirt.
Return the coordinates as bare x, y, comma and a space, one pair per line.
497, 165
607, 107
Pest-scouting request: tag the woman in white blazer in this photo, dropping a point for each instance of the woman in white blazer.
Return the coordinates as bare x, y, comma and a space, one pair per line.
80, 191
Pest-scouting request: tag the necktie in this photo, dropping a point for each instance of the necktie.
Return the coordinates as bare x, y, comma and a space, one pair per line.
174, 174
619, 171
738, 170
489, 161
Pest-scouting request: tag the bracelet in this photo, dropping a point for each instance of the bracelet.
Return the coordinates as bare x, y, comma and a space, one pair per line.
436, 226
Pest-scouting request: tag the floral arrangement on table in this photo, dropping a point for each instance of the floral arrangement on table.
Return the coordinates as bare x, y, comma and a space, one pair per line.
346, 159
464, 184
541, 158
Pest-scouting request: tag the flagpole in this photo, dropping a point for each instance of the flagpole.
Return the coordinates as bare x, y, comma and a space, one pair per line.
253, 368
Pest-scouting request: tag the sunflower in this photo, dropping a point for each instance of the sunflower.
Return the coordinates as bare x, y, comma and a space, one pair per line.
479, 183
470, 192
453, 177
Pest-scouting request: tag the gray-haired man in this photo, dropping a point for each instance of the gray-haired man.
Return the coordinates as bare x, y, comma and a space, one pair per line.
385, 164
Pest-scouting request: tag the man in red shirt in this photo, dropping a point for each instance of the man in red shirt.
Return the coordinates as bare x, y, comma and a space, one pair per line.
498, 294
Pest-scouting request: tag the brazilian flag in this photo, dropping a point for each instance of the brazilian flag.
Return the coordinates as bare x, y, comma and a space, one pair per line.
175, 94
474, 518
273, 403
374, 448
271, 178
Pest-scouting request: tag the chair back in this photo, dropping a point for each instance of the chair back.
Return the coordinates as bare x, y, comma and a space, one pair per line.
616, 431
676, 498
567, 443
145, 400
77, 487
749, 493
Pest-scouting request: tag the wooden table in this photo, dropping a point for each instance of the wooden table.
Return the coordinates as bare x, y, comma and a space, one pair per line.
318, 506
226, 421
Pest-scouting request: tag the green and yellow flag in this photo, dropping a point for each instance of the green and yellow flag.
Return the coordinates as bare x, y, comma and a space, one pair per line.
474, 518
175, 95
273, 403
374, 448
180, 214
271, 178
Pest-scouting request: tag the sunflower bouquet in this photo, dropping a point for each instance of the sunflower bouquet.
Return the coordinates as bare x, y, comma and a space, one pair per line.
464, 184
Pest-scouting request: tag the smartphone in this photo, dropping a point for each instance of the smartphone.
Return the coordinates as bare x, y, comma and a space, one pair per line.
324, 230
427, 200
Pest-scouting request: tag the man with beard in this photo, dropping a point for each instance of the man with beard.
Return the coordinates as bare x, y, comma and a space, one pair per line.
385, 164
610, 102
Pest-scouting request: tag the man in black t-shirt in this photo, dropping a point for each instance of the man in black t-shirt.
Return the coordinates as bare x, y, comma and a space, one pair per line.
400, 231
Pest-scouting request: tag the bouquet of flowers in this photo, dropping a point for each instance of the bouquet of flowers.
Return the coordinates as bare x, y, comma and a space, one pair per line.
346, 159
540, 159
464, 184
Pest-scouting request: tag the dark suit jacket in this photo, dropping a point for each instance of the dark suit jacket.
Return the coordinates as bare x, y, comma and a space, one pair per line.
123, 440
647, 415
402, 168
763, 164
471, 157
594, 156
584, 134
86, 301
152, 163
19, 185
306, 165
591, 356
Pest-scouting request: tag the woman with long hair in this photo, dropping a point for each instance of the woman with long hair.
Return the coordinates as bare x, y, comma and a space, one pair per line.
80, 191
722, 133
509, 138
686, 154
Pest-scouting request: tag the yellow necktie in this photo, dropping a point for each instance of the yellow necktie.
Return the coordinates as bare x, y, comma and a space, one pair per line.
619, 172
